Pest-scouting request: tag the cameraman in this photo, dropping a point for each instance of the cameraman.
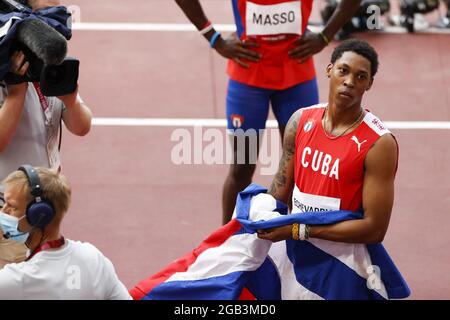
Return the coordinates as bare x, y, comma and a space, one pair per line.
30, 123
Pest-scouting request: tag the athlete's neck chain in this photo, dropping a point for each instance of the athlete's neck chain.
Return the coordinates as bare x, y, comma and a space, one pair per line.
360, 117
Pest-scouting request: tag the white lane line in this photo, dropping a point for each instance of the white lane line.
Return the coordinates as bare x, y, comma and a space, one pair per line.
418, 124
173, 122
158, 122
168, 27
171, 27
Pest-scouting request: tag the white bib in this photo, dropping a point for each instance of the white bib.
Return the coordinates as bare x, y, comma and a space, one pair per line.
273, 19
304, 202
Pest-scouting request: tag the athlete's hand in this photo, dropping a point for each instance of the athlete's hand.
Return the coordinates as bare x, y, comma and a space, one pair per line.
238, 51
307, 46
276, 234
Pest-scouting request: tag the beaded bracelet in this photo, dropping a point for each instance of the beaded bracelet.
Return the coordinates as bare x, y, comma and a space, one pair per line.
307, 232
295, 234
301, 232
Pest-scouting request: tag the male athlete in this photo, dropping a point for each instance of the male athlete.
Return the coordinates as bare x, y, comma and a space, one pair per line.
339, 156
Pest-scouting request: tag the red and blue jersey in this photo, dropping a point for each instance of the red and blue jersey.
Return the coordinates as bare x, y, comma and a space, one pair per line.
329, 172
274, 25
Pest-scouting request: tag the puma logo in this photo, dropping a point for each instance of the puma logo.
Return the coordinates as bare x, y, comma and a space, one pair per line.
355, 139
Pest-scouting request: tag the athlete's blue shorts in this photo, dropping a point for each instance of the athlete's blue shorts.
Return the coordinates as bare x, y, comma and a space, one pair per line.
248, 106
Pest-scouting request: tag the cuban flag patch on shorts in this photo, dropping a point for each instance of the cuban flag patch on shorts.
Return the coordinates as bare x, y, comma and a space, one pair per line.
237, 120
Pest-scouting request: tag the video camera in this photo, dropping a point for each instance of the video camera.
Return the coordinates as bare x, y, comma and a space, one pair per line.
359, 21
408, 8
45, 49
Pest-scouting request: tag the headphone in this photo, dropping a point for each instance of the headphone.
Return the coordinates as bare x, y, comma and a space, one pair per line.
40, 211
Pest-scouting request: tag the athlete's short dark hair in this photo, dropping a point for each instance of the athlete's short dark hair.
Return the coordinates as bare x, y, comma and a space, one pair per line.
360, 47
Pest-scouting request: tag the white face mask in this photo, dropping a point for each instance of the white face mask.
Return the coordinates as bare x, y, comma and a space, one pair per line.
10, 227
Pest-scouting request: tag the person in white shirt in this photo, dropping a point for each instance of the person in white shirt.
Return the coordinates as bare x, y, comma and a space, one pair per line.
36, 201
30, 127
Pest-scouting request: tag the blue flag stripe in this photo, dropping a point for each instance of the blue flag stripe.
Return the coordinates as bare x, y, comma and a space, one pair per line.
326, 275
264, 283
227, 287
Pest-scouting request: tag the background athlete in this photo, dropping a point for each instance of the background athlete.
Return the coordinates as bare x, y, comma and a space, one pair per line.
270, 63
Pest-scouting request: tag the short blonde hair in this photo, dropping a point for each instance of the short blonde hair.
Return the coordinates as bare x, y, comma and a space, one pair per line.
55, 187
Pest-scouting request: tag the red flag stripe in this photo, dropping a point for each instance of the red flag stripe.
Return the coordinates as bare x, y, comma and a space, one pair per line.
181, 265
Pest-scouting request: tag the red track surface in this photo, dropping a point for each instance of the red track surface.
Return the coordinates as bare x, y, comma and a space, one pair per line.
143, 211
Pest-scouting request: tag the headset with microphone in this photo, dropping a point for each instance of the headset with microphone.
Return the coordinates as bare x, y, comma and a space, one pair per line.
40, 211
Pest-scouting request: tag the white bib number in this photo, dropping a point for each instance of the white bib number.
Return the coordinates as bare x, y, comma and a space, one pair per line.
304, 202
273, 19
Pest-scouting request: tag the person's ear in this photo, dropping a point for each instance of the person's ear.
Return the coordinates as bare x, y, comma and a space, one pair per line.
328, 69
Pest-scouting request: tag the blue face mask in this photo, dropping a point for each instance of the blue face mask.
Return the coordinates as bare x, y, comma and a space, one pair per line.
10, 227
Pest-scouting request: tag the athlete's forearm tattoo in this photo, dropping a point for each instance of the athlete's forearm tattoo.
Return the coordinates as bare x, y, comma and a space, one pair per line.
280, 180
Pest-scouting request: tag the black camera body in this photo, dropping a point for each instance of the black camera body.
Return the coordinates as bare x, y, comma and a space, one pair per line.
45, 49
410, 7
55, 80
359, 21
60, 80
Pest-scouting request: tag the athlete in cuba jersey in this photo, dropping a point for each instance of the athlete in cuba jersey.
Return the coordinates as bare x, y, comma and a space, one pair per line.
329, 176
339, 156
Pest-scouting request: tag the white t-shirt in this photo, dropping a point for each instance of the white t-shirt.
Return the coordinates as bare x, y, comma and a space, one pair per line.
77, 271
35, 134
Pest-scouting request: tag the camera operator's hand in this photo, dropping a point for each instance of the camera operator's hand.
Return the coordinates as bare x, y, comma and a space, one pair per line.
238, 51
77, 116
70, 99
19, 65
18, 90
40, 4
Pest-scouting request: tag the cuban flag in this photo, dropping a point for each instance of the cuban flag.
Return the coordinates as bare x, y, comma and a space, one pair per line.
57, 17
233, 262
